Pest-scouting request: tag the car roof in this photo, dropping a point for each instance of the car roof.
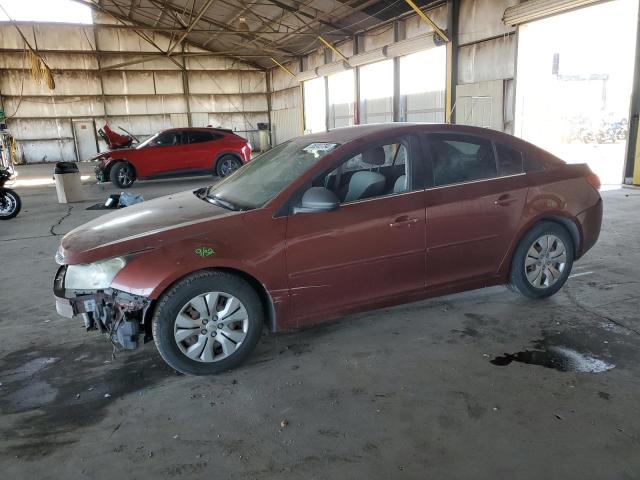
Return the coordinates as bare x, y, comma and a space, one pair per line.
347, 134
198, 129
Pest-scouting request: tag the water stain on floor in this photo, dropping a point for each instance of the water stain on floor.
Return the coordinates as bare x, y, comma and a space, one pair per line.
49, 392
550, 354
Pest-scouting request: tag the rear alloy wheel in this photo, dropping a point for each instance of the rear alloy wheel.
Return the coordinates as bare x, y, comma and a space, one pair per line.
207, 323
122, 175
543, 260
227, 165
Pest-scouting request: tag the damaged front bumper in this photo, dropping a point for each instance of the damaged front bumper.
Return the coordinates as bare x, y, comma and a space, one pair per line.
119, 314
101, 176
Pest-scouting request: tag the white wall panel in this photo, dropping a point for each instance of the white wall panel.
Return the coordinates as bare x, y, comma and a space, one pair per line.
415, 26
281, 80
42, 107
290, 98
151, 105
10, 39
14, 82
490, 60
228, 103
168, 82
34, 129
56, 61
63, 37
227, 82
49, 150
128, 83
287, 124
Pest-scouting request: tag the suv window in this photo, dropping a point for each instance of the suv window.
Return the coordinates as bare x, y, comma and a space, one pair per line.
376, 171
510, 161
169, 138
201, 137
461, 158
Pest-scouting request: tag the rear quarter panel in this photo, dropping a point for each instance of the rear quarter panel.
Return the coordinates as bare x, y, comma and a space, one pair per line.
559, 193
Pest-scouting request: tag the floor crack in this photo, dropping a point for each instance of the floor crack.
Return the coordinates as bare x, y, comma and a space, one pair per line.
575, 301
52, 229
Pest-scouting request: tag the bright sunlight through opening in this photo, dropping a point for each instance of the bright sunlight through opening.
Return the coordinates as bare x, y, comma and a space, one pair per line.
63, 11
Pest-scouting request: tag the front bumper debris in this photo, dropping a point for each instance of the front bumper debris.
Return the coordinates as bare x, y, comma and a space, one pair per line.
116, 313
100, 174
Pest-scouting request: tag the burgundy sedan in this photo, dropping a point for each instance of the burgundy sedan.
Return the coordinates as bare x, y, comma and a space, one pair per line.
326, 225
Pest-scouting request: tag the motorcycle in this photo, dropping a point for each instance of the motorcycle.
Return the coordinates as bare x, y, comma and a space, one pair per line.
10, 203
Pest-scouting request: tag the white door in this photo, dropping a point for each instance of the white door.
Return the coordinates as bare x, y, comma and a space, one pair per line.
86, 142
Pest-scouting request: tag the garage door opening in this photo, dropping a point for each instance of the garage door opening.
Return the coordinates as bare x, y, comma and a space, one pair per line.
315, 106
574, 85
423, 78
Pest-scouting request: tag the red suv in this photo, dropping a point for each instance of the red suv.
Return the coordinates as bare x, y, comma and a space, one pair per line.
178, 151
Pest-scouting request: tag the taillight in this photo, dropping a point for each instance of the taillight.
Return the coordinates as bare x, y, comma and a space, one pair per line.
594, 181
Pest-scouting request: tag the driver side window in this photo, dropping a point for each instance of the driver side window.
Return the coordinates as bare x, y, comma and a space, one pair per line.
376, 171
167, 139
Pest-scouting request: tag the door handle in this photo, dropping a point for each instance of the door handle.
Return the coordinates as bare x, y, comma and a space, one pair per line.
504, 200
403, 222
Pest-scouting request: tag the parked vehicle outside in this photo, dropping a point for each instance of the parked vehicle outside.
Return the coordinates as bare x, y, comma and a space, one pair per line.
325, 225
175, 152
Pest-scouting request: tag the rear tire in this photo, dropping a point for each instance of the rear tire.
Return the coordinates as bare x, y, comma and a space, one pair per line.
10, 204
542, 261
227, 164
122, 175
207, 323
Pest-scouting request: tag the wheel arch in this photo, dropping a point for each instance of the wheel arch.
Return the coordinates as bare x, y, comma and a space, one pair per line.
261, 290
221, 155
569, 224
115, 161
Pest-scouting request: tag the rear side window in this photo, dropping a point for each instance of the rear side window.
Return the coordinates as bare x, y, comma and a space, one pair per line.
510, 161
461, 158
200, 137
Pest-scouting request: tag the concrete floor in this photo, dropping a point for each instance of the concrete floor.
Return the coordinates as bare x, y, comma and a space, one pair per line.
406, 392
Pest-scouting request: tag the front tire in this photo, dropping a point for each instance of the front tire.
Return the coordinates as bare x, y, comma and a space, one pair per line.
122, 175
207, 323
227, 164
10, 204
542, 261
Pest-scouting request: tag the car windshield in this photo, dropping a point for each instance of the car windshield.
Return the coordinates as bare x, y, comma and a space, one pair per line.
268, 174
147, 141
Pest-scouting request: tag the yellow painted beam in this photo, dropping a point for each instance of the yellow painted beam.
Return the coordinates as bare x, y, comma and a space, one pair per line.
430, 22
636, 163
332, 48
283, 67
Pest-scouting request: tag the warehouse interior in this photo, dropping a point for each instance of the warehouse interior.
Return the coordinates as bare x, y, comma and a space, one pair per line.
410, 391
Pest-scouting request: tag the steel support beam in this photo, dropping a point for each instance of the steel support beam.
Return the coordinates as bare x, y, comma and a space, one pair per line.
453, 14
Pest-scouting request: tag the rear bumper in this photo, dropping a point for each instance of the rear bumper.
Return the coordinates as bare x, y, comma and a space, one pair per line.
591, 223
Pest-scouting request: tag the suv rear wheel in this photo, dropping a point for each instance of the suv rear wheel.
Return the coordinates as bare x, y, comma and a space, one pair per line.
207, 323
227, 164
122, 175
542, 261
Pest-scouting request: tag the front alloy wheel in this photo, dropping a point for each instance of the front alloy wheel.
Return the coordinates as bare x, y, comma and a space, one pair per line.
207, 323
211, 327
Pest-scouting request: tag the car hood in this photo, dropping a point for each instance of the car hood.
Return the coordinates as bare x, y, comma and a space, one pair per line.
139, 227
118, 151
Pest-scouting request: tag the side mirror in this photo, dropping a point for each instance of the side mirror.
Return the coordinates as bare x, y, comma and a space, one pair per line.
316, 200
